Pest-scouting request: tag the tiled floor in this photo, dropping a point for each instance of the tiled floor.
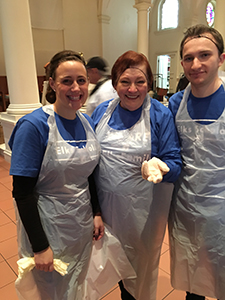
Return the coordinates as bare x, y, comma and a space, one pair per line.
8, 249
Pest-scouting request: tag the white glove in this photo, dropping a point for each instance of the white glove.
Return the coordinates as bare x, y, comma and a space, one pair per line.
154, 169
26, 264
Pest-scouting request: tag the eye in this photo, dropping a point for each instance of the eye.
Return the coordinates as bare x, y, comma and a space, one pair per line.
81, 81
125, 82
140, 82
188, 59
204, 56
67, 81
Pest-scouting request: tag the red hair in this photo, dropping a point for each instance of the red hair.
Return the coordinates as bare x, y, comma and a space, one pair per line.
127, 60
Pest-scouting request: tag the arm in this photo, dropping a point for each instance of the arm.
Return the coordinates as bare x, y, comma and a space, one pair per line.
165, 141
24, 194
28, 146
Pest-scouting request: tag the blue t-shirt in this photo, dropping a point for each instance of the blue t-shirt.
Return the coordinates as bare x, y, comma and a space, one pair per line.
30, 138
164, 138
210, 107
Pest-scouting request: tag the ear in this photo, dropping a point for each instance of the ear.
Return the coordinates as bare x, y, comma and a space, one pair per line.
52, 83
221, 59
182, 63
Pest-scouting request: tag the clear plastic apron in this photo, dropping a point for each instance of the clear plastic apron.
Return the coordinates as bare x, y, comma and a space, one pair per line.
134, 208
197, 218
65, 210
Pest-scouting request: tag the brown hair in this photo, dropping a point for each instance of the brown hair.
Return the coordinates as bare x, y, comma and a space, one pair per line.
56, 60
127, 60
198, 31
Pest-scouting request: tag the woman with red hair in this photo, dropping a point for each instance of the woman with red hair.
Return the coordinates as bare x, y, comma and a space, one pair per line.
131, 129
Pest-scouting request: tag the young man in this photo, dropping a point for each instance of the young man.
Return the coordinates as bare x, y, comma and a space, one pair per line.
197, 217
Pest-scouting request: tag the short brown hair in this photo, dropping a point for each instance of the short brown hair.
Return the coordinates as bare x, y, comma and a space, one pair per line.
198, 31
127, 60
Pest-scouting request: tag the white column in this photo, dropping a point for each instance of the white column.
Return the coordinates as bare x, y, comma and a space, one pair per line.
19, 62
104, 21
219, 21
143, 9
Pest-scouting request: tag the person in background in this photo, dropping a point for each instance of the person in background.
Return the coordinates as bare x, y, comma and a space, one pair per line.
197, 216
182, 84
131, 129
84, 106
54, 152
45, 84
103, 89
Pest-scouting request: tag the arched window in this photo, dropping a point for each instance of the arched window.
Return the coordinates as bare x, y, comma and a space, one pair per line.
210, 13
168, 14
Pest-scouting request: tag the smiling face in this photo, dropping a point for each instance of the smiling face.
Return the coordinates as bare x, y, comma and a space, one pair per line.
71, 88
132, 87
201, 61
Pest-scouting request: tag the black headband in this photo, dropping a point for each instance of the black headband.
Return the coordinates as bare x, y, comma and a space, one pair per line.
203, 36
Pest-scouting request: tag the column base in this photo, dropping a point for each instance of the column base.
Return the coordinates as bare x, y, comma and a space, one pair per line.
22, 109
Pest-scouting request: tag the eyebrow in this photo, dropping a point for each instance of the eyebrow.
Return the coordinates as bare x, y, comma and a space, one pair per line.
200, 52
138, 77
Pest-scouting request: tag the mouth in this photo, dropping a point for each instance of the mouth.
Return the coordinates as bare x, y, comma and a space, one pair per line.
132, 97
196, 74
74, 98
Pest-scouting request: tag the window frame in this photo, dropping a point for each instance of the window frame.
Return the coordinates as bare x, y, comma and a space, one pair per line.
160, 11
213, 3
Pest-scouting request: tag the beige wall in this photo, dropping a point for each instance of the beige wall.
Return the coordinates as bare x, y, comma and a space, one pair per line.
46, 43
81, 27
120, 34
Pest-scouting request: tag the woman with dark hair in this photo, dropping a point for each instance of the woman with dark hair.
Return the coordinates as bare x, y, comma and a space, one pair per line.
54, 152
131, 129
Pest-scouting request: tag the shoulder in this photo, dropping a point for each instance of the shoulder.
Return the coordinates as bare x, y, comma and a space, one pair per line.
89, 119
28, 143
161, 118
36, 122
38, 117
158, 110
174, 102
99, 112
31, 125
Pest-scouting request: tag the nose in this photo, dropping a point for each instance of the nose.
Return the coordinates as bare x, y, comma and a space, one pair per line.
75, 86
196, 63
132, 87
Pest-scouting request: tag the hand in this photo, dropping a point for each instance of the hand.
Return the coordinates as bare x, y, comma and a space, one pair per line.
44, 260
98, 228
154, 169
